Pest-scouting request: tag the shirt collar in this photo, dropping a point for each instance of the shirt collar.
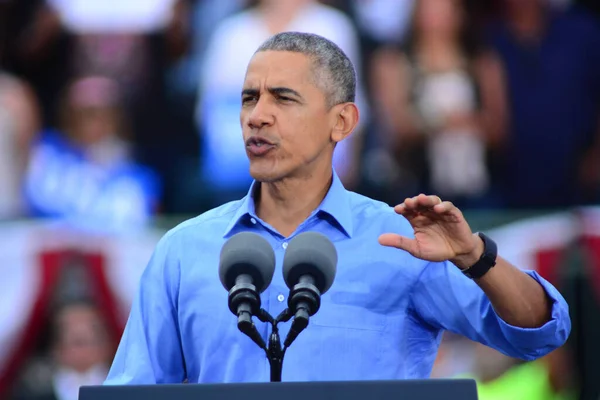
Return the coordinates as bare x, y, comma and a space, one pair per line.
336, 205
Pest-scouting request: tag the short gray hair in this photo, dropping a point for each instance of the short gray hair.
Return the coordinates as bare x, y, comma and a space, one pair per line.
333, 70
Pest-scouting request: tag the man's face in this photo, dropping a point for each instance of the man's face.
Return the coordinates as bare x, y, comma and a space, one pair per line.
285, 119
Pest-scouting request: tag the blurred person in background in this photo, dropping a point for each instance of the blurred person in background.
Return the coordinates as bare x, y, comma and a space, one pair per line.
128, 41
378, 22
550, 155
133, 42
19, 125
441, 104
85, 173
80, 354
224, 165
203, 19
33, 47
20, 118
182, 80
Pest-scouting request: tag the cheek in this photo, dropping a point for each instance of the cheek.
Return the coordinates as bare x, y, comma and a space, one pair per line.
302, 134
304, 143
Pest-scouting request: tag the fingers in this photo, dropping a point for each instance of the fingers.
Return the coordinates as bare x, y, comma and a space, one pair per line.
444, 207
399, 242
423, 202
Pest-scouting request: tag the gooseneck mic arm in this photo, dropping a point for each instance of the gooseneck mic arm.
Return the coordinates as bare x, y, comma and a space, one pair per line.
275, 354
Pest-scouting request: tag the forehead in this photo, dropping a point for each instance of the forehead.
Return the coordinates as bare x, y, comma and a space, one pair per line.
277, 68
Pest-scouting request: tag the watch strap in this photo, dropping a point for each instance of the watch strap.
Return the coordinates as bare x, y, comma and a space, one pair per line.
486, 261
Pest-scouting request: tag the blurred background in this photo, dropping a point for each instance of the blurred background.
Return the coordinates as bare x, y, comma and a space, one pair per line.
119, 119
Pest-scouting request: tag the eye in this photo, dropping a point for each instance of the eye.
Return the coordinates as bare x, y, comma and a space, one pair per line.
249, 99
285, 99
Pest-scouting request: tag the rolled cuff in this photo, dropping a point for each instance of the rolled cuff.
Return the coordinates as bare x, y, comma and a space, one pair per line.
533, 343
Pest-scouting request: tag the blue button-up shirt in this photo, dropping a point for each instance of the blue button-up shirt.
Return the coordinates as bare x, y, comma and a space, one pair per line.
382, 318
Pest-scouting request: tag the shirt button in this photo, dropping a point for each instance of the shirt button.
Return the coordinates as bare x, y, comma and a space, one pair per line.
284, 245
280, 297
253, 220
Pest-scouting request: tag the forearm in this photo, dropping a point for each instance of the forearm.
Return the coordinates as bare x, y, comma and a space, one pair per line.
516, 297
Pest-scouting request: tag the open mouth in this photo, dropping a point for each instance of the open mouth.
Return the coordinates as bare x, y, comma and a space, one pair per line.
258, 142
258, 146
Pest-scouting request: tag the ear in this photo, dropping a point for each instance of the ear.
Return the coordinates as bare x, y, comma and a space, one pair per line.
346, 118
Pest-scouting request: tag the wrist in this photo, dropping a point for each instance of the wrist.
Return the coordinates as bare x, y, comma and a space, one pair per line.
467, 260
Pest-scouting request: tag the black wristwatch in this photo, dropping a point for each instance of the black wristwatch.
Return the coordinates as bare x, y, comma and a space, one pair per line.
487, 260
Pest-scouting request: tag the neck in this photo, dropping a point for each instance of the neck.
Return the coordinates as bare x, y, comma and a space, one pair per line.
287, 203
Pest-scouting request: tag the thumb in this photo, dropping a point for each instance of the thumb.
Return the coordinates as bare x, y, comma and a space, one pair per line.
399, 242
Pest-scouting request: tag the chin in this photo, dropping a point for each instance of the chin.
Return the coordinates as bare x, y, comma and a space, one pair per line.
265, 173
264, 176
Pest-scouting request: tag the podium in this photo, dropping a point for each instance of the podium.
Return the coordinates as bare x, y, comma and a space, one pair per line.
421, 389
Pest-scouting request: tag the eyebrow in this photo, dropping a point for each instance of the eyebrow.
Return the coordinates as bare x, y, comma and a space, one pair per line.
249, 92
273, 90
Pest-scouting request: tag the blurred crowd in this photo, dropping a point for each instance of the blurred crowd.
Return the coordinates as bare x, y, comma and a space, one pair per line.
114, 112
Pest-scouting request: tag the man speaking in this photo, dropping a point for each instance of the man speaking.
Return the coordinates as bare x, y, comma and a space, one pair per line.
404, 274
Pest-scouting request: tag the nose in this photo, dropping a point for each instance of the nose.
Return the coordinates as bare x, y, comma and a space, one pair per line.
261, 115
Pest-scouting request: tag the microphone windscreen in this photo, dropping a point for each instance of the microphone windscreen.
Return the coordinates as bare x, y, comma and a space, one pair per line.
310, 253
247, 253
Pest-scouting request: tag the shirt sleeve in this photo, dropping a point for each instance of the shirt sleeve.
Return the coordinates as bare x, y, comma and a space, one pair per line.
446, 299
150, 348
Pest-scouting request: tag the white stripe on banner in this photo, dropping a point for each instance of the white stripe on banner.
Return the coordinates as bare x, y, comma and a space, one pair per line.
591, 221
519, 242
126, 259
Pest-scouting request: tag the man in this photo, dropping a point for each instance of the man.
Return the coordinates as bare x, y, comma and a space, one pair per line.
399, 282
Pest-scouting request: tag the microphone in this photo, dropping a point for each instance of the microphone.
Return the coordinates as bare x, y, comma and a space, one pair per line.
309, 268
246, 268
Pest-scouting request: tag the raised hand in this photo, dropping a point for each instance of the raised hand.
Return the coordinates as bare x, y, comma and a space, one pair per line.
441, 232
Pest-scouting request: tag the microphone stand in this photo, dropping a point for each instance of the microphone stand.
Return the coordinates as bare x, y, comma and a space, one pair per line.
274, 351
